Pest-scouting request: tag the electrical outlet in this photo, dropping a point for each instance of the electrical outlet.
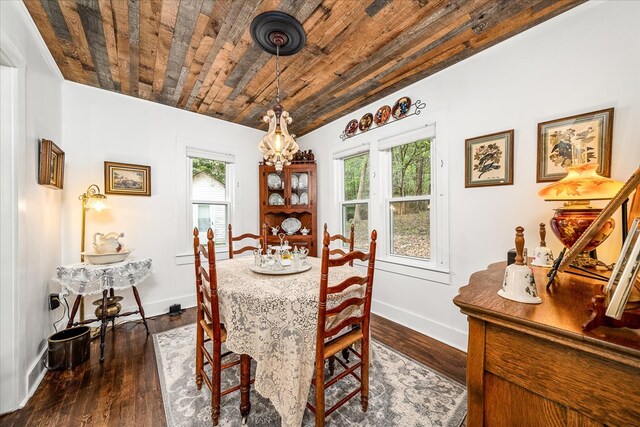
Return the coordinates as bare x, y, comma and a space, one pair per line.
54, 301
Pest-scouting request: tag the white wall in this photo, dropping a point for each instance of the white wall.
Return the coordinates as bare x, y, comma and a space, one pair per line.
584, 60
38, 208
99, 125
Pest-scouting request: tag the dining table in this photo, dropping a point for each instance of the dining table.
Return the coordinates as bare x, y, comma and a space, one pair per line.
273, 319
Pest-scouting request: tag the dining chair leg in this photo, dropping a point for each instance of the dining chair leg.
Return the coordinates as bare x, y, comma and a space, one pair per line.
199, 355
345, 354
216, 371
319, 393
364, 375
332, 365
245, 386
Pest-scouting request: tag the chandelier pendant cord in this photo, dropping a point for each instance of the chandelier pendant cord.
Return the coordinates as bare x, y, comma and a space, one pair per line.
277, 73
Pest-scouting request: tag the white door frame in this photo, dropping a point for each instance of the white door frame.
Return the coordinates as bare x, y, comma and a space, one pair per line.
12, 386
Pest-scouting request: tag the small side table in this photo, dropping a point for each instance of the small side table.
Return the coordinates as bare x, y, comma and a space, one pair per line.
91, 279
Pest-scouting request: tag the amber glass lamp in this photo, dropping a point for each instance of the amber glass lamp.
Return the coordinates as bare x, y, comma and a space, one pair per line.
581, 185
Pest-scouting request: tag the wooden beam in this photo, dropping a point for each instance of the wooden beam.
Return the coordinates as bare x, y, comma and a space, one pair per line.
121, 20
150, 12
92, 23
165, 37
78, 39
106, 13
134, 44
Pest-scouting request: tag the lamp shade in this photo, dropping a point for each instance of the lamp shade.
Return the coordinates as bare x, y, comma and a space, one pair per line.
581, 183
97, 203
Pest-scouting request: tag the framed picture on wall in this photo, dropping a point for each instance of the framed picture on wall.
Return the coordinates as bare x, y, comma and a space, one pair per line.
561, 141
489, 160
127, 179
51, 164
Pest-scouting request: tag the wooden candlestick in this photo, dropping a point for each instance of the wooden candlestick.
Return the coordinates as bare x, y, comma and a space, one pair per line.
543, 234
519, 245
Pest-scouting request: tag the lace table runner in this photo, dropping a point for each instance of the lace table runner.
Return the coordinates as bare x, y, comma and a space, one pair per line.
274, 320
88, 279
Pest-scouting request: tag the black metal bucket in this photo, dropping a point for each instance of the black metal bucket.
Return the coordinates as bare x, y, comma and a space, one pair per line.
69, 348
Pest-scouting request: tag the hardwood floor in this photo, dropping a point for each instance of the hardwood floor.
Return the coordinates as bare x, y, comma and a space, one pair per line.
125, 390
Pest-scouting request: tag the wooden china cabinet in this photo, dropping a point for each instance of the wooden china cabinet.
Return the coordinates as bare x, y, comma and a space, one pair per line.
290, 193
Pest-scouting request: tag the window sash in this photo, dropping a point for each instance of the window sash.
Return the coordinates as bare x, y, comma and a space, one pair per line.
392, 229
220, 238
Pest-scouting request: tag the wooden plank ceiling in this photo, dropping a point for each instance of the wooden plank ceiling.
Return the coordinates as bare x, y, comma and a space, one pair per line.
198, 54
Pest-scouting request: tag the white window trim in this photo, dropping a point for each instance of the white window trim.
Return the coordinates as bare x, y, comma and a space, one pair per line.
186, 149
437, 269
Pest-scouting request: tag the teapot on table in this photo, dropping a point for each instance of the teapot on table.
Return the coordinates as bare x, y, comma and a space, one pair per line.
107, 243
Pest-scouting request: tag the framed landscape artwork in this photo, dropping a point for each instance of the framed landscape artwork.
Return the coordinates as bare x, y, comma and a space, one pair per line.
489, 160
127, 179
51, 165
561, 142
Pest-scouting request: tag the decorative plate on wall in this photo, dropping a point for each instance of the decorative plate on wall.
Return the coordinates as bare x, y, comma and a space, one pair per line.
351, 128
382, 115
365, 122
401, 107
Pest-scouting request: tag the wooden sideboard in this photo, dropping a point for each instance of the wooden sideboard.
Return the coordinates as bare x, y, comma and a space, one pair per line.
533, 365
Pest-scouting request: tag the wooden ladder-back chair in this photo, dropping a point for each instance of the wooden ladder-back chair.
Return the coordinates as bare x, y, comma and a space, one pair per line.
208, 322
327, 344
261, 239
349, 241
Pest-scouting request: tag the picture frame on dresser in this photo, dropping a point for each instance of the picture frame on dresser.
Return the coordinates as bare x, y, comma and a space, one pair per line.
50, 165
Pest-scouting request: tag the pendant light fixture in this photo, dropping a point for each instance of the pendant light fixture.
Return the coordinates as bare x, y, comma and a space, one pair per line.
280, 34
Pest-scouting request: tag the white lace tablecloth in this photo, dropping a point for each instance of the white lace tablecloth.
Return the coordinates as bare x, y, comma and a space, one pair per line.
88, 279
274, 320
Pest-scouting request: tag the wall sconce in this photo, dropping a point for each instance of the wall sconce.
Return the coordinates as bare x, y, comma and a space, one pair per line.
91, 199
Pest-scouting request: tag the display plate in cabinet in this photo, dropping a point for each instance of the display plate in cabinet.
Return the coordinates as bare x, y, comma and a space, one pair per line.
274, 181
276, 200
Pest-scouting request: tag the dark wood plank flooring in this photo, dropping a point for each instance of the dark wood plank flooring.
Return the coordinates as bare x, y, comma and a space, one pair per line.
125, 389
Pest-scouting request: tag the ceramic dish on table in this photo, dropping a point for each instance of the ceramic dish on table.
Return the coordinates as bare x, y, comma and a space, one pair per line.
274, 181
291, 225
94, 258
276, 200
285, 270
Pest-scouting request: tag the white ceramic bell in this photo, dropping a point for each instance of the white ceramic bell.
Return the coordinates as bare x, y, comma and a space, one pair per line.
542, 255
518, 284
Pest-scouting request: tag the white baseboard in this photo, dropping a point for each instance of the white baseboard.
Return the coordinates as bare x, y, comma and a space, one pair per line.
446, 334
36, 364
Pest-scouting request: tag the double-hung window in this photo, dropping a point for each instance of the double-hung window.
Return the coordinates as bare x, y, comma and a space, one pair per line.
355, 198
210, 196
409, 199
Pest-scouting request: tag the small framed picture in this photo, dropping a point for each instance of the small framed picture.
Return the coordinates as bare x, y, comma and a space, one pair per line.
489, 160
127, 179
584, 137
51, 165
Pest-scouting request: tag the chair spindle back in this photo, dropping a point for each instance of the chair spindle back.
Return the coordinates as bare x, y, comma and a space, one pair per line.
206, 282
349, 241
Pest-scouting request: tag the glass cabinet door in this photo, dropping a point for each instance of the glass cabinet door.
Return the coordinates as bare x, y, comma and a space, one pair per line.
299, 185
275, 183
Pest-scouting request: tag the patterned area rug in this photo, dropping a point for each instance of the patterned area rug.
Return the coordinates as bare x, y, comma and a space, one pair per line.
402, 392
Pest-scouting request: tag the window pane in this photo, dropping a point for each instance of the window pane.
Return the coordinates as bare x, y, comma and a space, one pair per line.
410, 229
356, 177
411, 169
208, 180
214, 216
357, 214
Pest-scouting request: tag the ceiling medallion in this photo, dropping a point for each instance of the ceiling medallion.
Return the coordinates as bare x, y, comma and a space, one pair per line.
278, 34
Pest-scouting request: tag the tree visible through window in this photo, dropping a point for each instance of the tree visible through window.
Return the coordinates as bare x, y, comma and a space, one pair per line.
410, 200
355, 208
